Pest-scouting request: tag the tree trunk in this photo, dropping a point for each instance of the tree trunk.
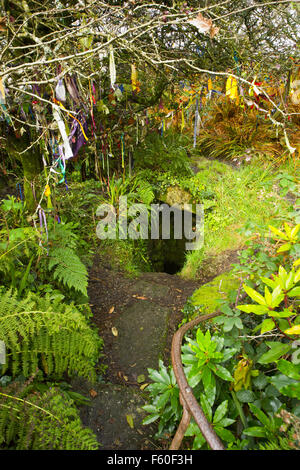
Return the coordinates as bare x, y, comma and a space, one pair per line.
31, 163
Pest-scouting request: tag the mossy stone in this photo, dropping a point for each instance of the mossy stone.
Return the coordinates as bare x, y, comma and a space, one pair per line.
209, 295
175, 196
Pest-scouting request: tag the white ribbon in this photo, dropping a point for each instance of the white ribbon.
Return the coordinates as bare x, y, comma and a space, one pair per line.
62, 128
112, 67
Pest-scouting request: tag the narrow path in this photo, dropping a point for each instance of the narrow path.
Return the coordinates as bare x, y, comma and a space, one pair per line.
136, 319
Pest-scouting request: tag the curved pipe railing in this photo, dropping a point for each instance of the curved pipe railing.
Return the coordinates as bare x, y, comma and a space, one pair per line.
190, 405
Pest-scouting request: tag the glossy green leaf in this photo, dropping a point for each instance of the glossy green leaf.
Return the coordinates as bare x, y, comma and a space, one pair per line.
150, 419
269, 282
257, 309
220, 411
289, 369
256, 296
255, 431
267, 325
292, 390
263, 418
277, 350
206, 407
223, 373
224, 434
284, 247
245, 396
294, 292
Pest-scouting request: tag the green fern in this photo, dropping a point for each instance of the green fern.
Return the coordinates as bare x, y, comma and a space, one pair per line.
42, 421
281, 443
46, 334
145, 192
68, 269
63, 234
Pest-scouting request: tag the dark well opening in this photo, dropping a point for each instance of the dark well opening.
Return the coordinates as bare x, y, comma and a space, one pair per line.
168, 255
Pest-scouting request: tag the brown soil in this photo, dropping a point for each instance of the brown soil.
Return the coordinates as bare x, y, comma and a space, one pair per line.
111, 292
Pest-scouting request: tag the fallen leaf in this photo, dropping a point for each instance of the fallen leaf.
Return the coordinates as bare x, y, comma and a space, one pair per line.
142, 387
141, 378
111, 310
129, 419
114, 331
93, 393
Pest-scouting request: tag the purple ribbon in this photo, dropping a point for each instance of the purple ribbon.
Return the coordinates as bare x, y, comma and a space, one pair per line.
43, 221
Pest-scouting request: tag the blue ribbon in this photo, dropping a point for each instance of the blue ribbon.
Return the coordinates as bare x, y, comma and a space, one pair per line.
18, 186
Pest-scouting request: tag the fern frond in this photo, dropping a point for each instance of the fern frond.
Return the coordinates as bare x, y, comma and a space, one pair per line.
145, 192
40, 422
68, 269
281, 444
39, 334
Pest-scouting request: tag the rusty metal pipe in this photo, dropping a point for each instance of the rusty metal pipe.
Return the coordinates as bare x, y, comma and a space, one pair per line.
189, 401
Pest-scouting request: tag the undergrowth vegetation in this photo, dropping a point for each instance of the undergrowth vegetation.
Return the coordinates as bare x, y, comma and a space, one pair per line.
244, 365
243, 369
46, 334
150, 103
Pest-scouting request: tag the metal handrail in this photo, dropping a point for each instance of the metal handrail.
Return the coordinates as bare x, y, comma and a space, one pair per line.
187, 399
